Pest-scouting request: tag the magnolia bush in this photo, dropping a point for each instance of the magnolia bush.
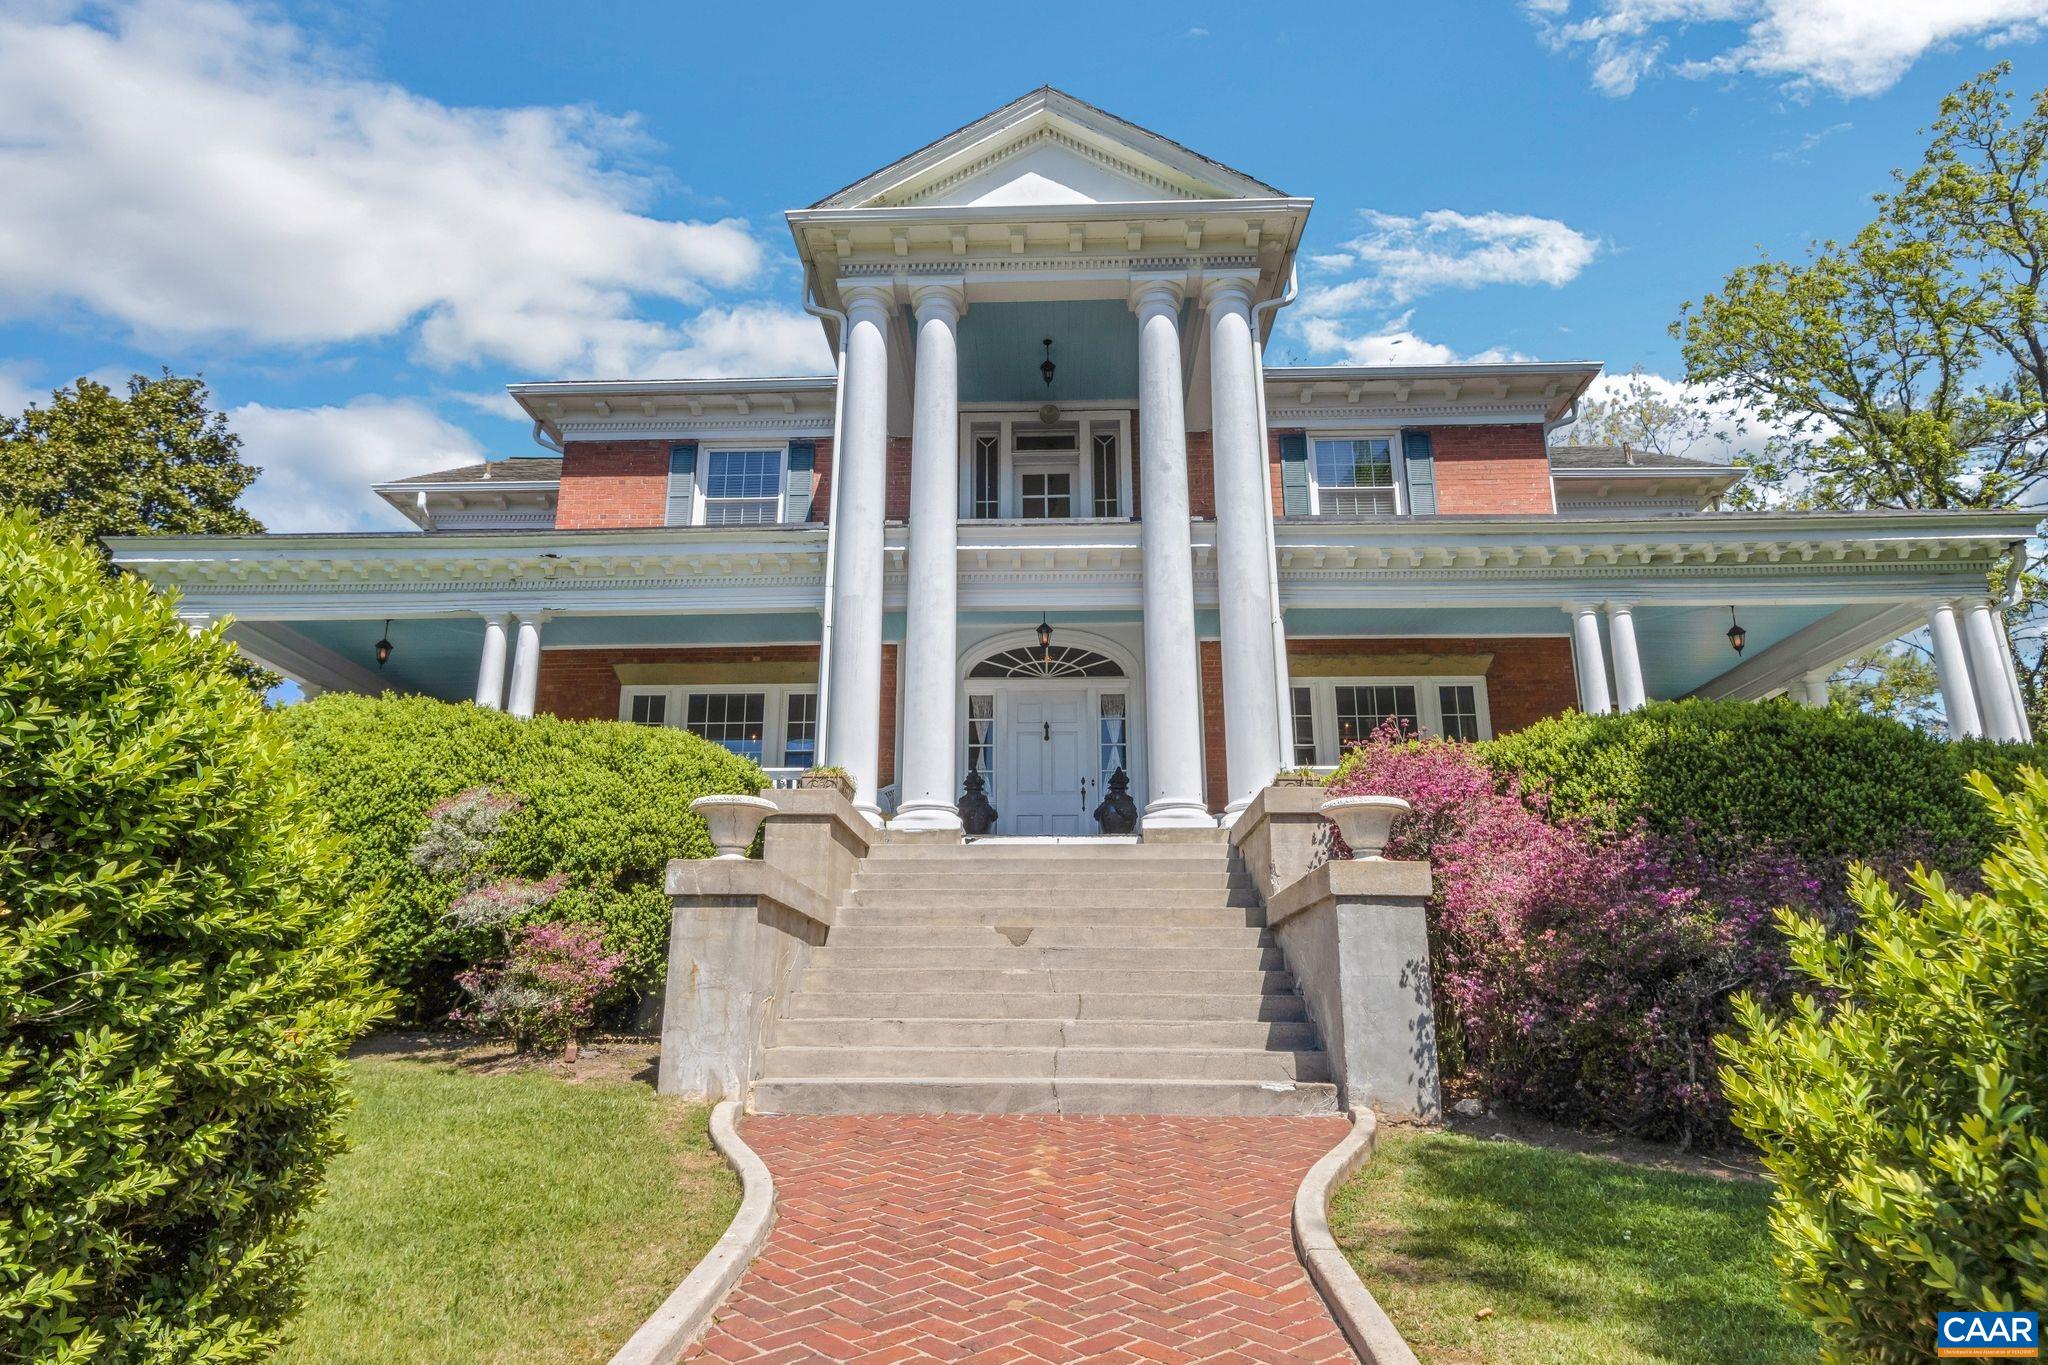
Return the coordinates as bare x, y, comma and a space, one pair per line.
180, 973
1899, 1101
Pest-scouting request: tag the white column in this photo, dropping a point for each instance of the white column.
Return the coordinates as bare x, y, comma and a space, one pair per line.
1628, 663
1244, 560
1952, 667
931, 629
2012, 681
1589, 660
860, 457
490, 671
526, 665
1173, 686
1811, 688
1996, 700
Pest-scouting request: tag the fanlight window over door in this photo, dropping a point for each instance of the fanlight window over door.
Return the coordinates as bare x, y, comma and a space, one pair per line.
1060, 661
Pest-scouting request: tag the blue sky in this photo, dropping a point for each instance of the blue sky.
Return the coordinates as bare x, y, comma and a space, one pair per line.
361, 221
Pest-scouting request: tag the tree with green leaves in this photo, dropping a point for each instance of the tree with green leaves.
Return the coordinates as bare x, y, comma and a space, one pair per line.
1644, 412
160, 460
1907, 367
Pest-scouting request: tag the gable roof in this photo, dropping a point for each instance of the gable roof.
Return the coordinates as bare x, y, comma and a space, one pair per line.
1155, 166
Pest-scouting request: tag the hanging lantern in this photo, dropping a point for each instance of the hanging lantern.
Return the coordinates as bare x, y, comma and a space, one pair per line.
1044, 640
1737, 636
1048, 367
384, 644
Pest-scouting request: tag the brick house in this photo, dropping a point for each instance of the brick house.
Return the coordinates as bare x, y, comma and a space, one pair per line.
1055, 517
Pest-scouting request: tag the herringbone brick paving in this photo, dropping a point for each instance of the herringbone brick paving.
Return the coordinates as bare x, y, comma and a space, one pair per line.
1030, 1238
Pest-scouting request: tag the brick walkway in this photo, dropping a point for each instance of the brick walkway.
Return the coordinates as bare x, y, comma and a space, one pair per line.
1029, 1238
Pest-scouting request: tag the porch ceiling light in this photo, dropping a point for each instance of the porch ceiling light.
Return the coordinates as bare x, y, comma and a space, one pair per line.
1048, 367
1045, 639
1737, 636
384, 644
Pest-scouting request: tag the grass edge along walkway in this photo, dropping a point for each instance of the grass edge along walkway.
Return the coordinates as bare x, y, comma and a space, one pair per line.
1579, 1258
506, 1217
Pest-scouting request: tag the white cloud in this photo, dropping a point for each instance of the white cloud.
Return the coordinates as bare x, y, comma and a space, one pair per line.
18, 387
745, 339
318, 463
1851, 47
1798, 150
1398, 259
1392, 342
1197, 32
490, 402
192, 169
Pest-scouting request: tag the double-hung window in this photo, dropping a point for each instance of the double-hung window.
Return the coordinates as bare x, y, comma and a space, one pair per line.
1332, 714
775, 725
1354, 476
741, 487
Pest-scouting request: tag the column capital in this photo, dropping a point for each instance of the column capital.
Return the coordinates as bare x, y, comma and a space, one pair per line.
538, 618
947, 295
1579, 608
879, 295
1149, 292
1229, 291
1620, 606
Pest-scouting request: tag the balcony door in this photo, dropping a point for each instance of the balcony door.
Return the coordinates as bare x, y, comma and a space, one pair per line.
1048, 465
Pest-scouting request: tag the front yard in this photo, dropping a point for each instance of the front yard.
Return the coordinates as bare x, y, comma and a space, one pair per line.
1578, 1258
509, 1214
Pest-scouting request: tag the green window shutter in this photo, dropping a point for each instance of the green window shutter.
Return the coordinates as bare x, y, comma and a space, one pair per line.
1294, 473
1420, 457
682, 482
796, 492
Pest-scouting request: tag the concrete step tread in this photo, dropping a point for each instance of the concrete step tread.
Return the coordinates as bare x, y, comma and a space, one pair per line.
1041, 1095
1185, 1006
967, 1063
1001, 953
1058, 978
848, 1031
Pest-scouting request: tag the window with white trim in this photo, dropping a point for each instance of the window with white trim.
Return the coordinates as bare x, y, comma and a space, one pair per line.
1355, 476
740, 487
1332, 714
775, 725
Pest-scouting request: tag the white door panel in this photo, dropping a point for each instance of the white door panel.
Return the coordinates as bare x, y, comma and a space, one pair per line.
1048, 765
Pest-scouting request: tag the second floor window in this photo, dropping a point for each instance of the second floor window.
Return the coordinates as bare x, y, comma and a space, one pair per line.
742, 487
1354, 476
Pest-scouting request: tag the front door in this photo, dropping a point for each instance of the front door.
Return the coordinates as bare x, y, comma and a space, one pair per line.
1048, 764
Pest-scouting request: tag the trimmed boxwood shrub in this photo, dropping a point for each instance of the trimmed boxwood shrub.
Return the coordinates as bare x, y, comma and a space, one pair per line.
1832, 783
180, 973
603, 804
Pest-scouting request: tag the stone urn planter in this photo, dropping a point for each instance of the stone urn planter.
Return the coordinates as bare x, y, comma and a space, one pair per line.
1365, 822
828, 779
733, 821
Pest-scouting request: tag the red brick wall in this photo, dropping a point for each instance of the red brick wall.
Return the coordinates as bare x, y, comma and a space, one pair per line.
613, 483
1528, 680
1530, 677
898, 500
1215, 766
888, 756
821, 483
579, 684
1201, 475
1492, 470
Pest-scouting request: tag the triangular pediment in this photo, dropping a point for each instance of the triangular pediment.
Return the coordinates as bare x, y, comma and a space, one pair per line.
1048, 148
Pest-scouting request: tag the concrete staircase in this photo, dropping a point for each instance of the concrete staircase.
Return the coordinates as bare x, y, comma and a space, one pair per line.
1081, 978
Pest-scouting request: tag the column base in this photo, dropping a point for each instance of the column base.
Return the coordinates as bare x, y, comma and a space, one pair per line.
927, 815
1177, 815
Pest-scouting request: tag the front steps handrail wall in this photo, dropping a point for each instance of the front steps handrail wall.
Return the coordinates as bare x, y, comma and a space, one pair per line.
740, 934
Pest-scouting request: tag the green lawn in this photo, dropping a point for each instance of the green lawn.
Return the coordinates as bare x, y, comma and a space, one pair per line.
1580, 1258
509, 1218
